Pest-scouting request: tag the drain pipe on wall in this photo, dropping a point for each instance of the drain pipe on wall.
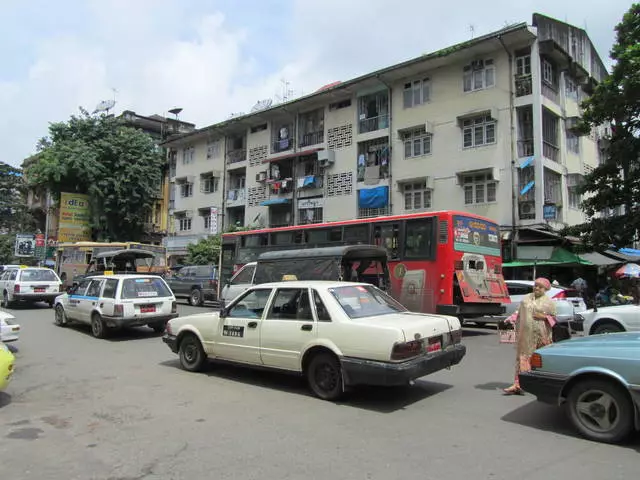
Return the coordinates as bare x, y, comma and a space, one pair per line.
390, 104
514, 185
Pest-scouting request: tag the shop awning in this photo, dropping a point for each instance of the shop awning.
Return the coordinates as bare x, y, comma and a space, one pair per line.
559, 257
598, 259
275, 201
624, 258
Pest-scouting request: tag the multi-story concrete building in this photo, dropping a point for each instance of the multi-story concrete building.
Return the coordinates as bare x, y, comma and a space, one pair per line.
487, 126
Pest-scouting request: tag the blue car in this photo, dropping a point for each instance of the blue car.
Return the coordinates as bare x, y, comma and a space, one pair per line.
597, 380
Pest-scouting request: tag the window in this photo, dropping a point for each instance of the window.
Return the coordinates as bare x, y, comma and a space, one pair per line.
188, 155
244, 276
478, 131
416, 93
213, 149
416, 196
570, 88
419, 239
417, 142
259, 128
186, 189
209, 184
110, 288
321, 310
308, 216
184, 224
144, 288
479, 75
82, 287
479, 189
523, 65
362, 301
387, 235
324, 235
291, 304
356, 234
94, 288
573, 142
207, 221
251, 305
547, 72
38, 276
575, 199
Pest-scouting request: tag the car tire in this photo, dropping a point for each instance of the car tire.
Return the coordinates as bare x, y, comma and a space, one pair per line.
607, 327
191, 353
324, 375
195, 297
98, 328
600, 410
60, 317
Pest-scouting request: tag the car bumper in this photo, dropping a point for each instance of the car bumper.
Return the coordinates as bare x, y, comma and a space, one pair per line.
120, 322
171, 341
368, 372
209, 295
36, 297
545, 386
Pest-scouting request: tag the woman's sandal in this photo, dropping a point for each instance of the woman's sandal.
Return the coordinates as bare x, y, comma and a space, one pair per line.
512, 390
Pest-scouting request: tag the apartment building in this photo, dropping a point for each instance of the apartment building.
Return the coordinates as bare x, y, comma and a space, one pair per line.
487, 126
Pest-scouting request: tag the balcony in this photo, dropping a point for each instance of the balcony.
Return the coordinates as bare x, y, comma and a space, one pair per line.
524, 85
525, 148
550, 151
311, 138
236, 197
282, 139
550, 92
281, 145
375, 123
236, 156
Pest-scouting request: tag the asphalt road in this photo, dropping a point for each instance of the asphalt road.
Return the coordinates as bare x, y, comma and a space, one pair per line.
121, 409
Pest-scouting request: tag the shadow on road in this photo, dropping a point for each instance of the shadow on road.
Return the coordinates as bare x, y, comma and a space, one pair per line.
553, 419
466, 332
5, 399
378, 399
492, 386
28, 306
117, 335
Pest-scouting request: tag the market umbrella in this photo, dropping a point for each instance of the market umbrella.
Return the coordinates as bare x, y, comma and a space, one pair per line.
630, 270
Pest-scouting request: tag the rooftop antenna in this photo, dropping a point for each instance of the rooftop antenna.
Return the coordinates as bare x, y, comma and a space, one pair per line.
472, 29
105, 106
286, 91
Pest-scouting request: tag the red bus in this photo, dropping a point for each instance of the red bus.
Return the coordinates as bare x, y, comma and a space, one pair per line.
444, 262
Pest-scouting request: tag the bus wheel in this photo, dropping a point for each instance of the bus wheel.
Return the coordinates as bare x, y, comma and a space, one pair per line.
462, 320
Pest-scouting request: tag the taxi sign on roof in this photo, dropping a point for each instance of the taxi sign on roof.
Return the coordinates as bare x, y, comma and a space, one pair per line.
108, 272
289, 278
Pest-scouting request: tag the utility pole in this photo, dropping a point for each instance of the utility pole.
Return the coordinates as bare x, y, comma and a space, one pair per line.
47, 223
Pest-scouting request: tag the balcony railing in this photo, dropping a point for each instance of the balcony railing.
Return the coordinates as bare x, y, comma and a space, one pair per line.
550, 92
235, 156
524, 85
311, 138
374, 123
278, 146
525, 148
236, 197
550, 151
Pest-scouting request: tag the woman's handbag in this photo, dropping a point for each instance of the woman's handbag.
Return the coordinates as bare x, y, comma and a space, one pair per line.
507, 329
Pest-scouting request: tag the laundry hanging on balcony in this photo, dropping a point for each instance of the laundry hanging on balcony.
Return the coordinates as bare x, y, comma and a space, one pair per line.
527, 162
377, 197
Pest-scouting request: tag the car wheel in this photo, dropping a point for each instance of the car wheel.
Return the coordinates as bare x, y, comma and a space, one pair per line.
191, 353
600, 410
324, 375
607, 327
98, 328
60, 317
195, 297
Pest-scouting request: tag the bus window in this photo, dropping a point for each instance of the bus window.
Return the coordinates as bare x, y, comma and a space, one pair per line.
298, 236
356, 234
319, 236
386, 235
255, 241
419, 239
281, 238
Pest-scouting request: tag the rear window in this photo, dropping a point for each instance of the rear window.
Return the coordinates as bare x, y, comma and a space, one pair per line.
38, 276
144, 288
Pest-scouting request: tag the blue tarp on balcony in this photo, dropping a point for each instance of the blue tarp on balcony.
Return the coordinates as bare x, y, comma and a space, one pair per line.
377, 197
275, 201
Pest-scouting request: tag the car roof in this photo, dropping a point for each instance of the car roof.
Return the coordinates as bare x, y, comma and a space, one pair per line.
310, 283
34, 268
120, 276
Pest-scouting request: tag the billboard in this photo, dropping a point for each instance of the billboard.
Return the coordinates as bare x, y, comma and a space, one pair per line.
476, 236
25, 245
73, 225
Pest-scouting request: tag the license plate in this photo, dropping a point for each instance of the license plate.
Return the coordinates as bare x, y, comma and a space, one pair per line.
147, 308
39, 290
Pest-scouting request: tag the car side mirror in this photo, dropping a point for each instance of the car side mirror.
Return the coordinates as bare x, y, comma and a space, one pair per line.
223, 312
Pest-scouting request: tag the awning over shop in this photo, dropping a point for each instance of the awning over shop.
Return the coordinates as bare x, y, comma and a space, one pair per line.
275, 201
559, 256
598, 259
624, 258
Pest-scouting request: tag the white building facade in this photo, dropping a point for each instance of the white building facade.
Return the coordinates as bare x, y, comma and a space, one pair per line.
487, 127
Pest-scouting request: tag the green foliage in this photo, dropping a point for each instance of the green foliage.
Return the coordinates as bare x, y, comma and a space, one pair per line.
616, 183
14, 214
205, 252
119, 167
7, 244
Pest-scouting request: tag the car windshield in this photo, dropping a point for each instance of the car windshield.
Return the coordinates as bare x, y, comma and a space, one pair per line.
38, 276
360, 301
144, 288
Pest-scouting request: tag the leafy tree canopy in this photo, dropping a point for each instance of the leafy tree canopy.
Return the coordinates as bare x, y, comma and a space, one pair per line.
616, 182
14, 214
207, 250
119, 167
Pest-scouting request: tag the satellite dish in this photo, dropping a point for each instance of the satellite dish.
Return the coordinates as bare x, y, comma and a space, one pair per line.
105, 106
262, 105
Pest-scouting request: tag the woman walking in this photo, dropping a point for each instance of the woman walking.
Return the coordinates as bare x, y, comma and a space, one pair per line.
535, 317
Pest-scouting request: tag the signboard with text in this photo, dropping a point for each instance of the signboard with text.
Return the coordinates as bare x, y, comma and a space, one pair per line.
74, 218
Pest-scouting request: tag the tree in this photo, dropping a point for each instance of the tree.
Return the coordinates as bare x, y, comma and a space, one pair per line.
205, 252
15, 216
616, 182
119, 167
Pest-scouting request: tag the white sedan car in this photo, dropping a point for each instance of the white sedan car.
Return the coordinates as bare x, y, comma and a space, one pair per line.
611, 319
337, 334
9, 330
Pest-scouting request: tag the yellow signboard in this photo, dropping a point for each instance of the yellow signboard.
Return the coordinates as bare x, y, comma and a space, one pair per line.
73, 225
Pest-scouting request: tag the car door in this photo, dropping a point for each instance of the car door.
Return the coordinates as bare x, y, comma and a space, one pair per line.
239, 283
239, 330
287, 328
89, 301
108, 297
76, 297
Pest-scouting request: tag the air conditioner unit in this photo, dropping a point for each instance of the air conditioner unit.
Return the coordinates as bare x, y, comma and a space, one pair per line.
527, 208
261, 176
326, 158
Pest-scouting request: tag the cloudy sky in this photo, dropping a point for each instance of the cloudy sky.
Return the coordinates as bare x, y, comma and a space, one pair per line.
215, 57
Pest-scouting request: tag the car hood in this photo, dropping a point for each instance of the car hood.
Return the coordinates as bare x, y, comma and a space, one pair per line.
609, 341
413, 323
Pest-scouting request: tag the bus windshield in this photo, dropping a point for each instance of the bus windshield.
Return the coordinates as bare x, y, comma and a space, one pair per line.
472, 235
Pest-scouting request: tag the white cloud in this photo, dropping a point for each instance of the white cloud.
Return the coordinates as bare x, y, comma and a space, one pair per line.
164, 53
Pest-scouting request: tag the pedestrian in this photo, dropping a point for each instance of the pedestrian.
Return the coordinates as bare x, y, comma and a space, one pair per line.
535, 318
